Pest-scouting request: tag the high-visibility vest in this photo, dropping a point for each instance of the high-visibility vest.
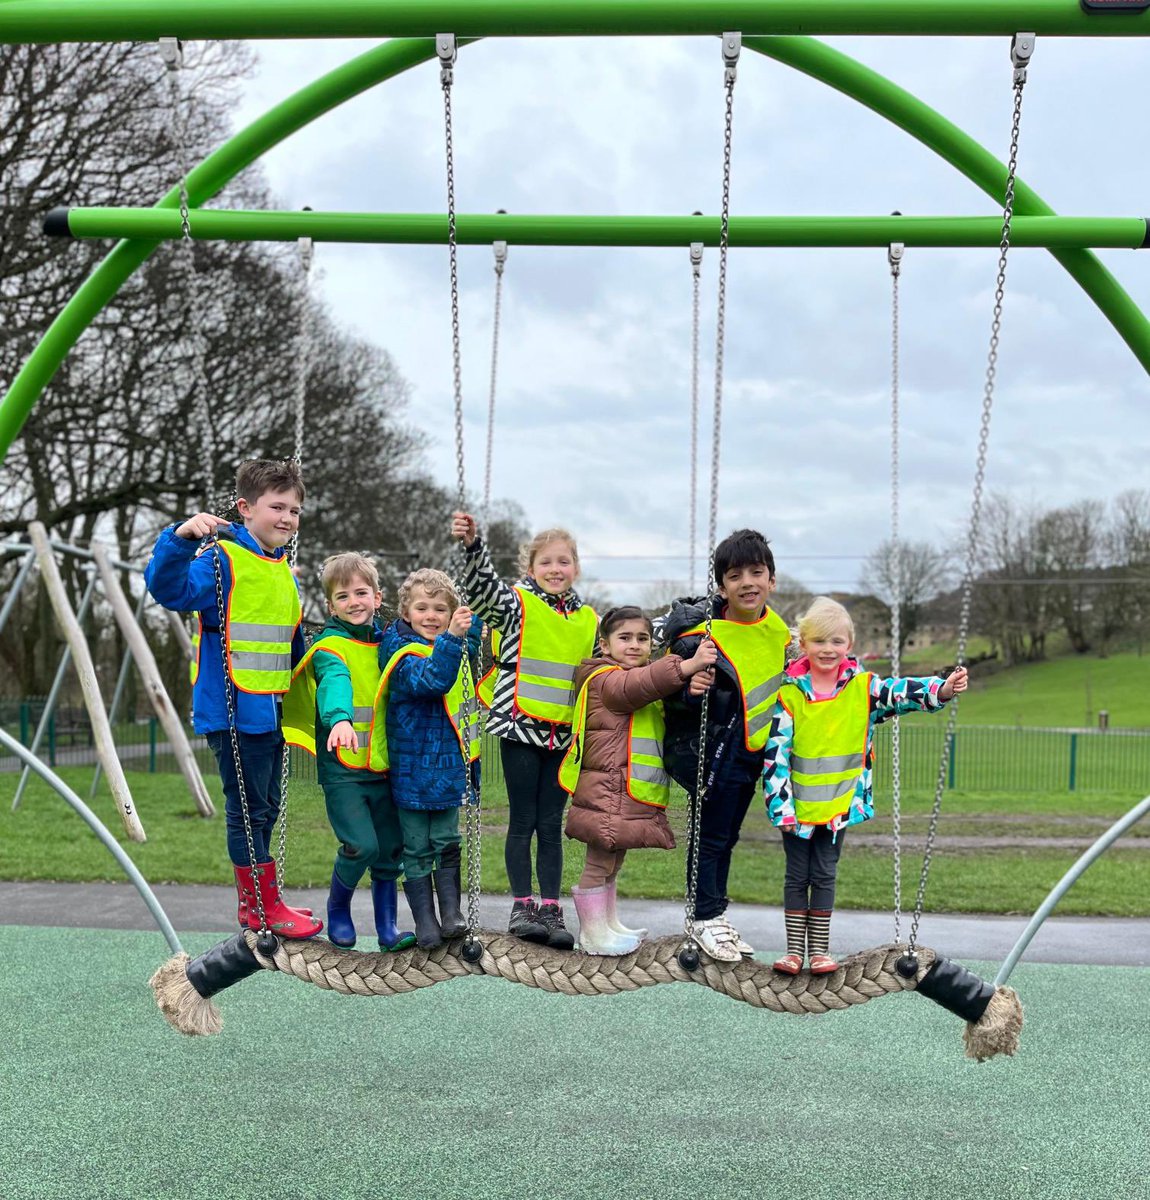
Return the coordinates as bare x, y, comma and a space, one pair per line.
452, 703
647, 779
299, 706
551, 646
828, 752
758, 652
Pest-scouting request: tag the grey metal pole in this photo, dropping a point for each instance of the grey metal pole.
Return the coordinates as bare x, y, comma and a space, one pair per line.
57, 684
99, 829
17, 586
118, 694
1065, 884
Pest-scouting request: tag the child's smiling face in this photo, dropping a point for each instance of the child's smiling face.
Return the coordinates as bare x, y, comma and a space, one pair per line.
272, 518
629, 644
355, 601
429, 615
827, 651
746, 591
553, 567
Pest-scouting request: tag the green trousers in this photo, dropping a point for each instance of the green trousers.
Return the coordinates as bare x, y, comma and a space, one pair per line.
426, 834
366, 822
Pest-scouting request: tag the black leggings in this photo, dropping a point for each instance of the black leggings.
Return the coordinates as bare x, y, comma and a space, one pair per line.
812, 865
536, 803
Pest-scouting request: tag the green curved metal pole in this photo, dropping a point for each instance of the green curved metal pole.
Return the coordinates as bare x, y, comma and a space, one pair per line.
958, 148
204, 182
802, 53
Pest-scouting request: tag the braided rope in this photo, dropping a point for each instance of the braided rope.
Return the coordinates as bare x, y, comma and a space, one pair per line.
860, 978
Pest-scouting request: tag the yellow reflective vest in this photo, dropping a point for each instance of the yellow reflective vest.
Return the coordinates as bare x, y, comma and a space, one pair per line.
299, 705
457, 712
551, 646
758, 652
647, 780
828, 751
262, 614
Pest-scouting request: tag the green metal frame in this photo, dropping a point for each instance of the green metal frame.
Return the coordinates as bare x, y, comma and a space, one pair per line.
535, 230
804, 54
139, 20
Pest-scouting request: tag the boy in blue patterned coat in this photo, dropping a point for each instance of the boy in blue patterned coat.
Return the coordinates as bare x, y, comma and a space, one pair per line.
423, 655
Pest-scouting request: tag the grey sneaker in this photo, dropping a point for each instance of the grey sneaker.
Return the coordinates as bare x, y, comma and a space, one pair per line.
716, 938
525, 922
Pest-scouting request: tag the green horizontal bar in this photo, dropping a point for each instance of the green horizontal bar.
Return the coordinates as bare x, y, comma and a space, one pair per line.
535, 230
132, 20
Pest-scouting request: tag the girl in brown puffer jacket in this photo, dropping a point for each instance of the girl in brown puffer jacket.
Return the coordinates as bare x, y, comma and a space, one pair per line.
614, 768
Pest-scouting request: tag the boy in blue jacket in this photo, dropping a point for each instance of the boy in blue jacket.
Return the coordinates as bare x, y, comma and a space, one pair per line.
243, 661
425, 721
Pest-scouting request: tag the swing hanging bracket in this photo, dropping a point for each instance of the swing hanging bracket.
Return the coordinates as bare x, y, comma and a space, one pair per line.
447, 51
696, 258
1021, 48
172, 52
732, 44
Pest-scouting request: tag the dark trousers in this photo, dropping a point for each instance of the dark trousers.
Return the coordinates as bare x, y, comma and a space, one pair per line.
261, 755
724, 808
364, 818
427, 833
535, 802
812, 864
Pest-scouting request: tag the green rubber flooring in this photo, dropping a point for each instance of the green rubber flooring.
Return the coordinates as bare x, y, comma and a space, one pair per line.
480, 1088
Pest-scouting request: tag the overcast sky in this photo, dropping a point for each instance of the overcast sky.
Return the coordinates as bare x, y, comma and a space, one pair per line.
594, 387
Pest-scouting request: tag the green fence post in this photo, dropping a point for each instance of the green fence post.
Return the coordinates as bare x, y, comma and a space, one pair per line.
151, 745
950, 768
1073, 760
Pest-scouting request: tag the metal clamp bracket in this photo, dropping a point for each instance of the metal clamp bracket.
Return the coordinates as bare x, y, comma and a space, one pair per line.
500, 249
732, 44
447, 51
894, 254
172, 52
306, 247
1021, 48
696, 257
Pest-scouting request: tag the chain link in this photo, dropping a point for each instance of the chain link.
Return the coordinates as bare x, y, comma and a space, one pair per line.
171, 50
473, 830
500, 251
695, 806
693, 502
979, 479
894, 257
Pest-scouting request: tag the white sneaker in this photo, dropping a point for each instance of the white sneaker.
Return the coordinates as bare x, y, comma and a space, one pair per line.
744, 948
714, 937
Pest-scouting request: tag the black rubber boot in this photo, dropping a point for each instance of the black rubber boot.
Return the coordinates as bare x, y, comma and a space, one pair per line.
525, 922
421, 901
550, 916
448, 889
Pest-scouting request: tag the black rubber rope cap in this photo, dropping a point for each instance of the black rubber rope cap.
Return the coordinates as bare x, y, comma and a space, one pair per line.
56, 223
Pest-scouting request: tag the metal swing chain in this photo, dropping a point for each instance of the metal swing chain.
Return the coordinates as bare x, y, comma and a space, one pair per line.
445, 47
303, 361
894, 257
732, 43
1021, 49
696, 280
500, 251
172, 53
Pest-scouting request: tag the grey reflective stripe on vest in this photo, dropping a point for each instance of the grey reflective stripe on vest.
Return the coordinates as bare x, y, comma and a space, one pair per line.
764, 691
758, 721
548, 693
822, 793
259, 660
253, 631
546, 668
362, 715
829, 765
468, 708
646, 774
649, 746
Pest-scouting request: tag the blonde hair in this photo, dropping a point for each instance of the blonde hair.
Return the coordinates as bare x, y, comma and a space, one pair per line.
339, 570
434, 583
530, 550
823, 617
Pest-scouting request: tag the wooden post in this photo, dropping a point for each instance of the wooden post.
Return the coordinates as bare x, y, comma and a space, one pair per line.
89, 684
150, 674
176, 621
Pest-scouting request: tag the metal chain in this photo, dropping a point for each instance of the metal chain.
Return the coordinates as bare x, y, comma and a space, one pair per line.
732, 43
1021, 49
446, 50
172, 53
693, 502
894, 257
500, 251
303, 362
233, 733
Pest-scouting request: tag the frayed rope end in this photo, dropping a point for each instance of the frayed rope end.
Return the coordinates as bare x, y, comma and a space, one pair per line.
183, 1007
998, 1030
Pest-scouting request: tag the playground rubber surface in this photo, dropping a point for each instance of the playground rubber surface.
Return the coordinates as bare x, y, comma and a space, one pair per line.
479, 1088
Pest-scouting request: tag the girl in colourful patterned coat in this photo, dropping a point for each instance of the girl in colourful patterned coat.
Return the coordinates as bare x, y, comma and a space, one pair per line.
614, 768
817, 774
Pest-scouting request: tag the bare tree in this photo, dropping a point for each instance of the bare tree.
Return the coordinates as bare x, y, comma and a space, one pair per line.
915, 574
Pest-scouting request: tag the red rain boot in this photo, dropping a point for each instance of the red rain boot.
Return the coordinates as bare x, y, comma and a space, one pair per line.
242, 910
286, 922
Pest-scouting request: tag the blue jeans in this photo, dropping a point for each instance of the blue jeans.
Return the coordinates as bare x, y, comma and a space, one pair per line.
261, 755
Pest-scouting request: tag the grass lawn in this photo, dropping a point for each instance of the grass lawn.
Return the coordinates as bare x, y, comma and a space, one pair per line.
46, 840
